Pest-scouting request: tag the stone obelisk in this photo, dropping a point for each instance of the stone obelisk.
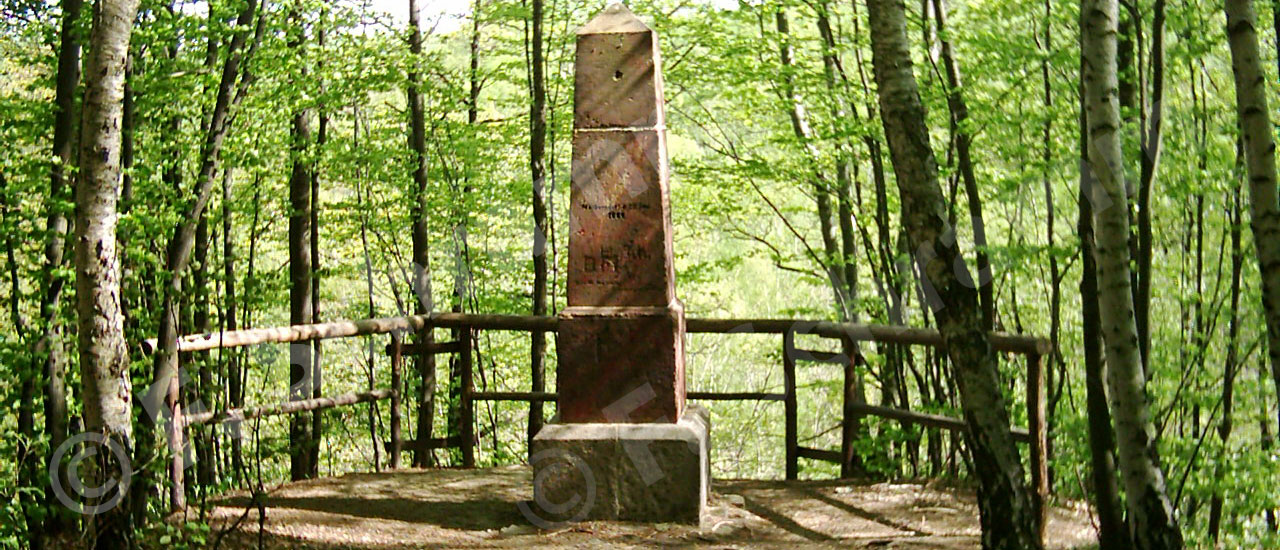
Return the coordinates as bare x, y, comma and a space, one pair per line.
637, 452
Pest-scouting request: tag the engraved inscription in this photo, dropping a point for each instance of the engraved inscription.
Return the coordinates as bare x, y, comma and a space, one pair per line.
609, 261
618, 222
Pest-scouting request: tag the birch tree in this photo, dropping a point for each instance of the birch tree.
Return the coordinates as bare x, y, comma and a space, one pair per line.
1151, 521
1008, 520
1260, 164
104, 358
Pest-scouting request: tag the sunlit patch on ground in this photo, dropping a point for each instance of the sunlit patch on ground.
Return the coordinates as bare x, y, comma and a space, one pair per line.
477, 509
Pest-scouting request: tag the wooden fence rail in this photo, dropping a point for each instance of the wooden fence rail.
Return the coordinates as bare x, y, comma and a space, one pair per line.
466, 325
289, 407
1011, 343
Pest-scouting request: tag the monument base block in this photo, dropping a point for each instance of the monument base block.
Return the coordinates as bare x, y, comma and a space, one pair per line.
629, 472
620, 364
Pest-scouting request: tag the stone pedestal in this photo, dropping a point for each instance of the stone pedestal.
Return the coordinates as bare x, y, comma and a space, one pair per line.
621, 364
630, 472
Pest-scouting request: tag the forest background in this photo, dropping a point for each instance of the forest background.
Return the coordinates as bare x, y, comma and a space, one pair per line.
783, 206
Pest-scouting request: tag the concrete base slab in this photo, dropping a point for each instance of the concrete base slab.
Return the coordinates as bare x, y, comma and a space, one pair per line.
629, 472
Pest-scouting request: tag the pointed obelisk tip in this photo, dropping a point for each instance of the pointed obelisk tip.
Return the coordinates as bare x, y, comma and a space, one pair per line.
614, 19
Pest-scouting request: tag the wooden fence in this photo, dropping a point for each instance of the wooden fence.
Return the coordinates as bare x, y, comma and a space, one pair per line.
466, 326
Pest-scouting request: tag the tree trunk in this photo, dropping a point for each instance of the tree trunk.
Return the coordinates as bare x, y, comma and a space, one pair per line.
250, 275
300, 291
1260, 164
29, 472
1055, 380
1151, 519
230, 320
845, 261
893, 377
49, 349
1234, 222
538, 173
843, 165
423, 303
317, 357
959, 127
1150, 138
104, 359
361, 202
205, 470
462, 253
1102, 442
821, 187
128, 123
164, 368
1008, 520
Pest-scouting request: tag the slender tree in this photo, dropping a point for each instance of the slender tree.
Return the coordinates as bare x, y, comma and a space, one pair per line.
49, 349
104, 358
1235, 223
1102, 441
855, 392
844, 165
232, 86
230, 314
1151, 521
964, 160
538, 173
1260, 164
202, 439
300, 290
1008, 520
317, 357
821, 186
462, 291
1055, 365
423, 303
29, 471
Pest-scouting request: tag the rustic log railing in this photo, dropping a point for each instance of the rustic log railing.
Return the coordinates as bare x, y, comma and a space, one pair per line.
467, 325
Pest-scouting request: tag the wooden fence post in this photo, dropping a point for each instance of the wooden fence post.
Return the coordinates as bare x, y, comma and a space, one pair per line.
1039, 441
466, 338
177, 486
789, 402
851, 418
397, 359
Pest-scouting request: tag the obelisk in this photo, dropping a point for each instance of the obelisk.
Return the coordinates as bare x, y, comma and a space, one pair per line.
638, 453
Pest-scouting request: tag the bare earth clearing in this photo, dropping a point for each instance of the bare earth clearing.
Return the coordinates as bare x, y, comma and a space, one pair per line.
478, 509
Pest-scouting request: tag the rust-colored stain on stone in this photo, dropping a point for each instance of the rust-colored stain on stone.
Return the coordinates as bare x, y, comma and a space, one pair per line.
621, 366
617, 84
620, 343
619, 229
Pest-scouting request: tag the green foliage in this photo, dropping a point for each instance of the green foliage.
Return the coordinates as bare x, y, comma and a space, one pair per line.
743, 209
189, 535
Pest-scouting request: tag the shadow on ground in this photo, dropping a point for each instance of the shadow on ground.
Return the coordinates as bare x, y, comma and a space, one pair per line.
478, 509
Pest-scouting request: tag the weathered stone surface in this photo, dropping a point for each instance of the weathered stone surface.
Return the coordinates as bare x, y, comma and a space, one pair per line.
627, 449
622, 364
620, 251
631, 472
617, 83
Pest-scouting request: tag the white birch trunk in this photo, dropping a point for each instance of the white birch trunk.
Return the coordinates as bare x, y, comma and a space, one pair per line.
1151, 522
1260, 162
104, 361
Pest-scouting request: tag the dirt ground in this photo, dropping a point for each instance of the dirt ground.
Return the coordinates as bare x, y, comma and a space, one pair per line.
479, 509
